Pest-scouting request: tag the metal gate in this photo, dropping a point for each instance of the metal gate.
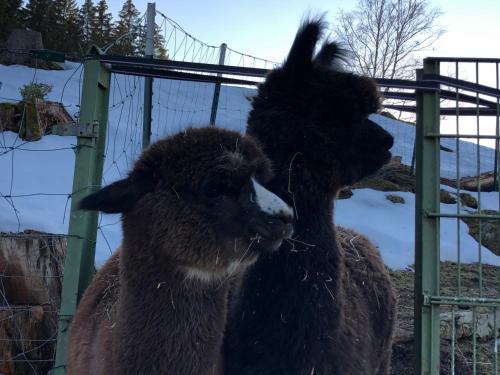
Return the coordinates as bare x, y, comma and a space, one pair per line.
457, 306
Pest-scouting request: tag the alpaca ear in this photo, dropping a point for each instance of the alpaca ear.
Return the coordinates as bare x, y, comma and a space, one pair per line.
300, 57
120, 196
329, 52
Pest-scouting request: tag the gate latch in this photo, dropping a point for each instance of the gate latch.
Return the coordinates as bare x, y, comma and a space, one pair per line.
89, 130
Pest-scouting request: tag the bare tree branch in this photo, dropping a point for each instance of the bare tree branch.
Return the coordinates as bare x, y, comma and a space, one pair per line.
384, 35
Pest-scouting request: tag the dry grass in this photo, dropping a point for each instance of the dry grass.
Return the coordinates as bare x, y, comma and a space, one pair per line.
469, 286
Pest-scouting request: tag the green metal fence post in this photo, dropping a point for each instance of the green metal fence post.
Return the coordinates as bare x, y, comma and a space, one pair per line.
89, 160
427, 334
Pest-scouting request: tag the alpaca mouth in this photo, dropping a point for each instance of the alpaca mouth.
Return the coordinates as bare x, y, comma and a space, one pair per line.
270, 236
387, 156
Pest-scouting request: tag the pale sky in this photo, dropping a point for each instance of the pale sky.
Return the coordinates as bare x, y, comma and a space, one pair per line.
266, 28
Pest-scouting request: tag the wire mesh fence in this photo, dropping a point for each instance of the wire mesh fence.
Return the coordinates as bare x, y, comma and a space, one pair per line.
36, 178
34, 198
459, 280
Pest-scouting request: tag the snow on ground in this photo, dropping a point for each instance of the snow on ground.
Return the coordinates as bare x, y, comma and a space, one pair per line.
404, 139
391, 226
45, 167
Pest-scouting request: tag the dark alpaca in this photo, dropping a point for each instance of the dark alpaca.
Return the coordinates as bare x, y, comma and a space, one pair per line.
193, 216
315, 307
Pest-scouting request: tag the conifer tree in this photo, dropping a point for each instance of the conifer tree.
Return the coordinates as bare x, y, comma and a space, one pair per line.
66, 33
88, 20
9, 17
159, 43
39, 15
102, 29
128, 30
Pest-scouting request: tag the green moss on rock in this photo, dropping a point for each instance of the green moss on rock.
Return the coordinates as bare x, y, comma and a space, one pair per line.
31, 129
468, 200
489, 230
446, 197
395, 198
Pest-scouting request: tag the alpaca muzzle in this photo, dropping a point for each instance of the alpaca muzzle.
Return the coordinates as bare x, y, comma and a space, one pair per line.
269, 232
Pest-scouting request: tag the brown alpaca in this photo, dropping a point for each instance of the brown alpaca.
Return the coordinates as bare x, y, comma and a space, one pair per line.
315, 307
193, 216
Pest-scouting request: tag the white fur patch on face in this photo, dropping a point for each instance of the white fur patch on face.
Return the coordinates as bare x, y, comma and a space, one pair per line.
269, 202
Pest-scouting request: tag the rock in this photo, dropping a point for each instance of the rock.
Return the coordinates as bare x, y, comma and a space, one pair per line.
445, 149
376, 183
402, 335
395, 198
486, 182
345, 193
403, 360
446, 197
395, 161
391, 177
388, 115
468, 200
464, 325
490, 231
21, 40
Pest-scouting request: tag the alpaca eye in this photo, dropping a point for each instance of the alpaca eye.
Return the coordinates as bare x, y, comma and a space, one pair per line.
214, 190
212, 193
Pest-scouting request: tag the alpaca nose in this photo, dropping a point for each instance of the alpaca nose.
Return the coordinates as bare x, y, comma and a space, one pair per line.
271, 204
379, 135
387, 140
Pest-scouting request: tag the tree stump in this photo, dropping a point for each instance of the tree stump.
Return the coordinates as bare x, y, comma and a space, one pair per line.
32, 120
9, 117
31, 266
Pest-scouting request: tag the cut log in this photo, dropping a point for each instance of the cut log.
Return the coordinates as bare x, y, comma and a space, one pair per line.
37, 118
51, 113
9, 117
31, 266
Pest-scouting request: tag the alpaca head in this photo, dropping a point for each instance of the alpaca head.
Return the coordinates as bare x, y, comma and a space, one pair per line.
199, 188
310, 107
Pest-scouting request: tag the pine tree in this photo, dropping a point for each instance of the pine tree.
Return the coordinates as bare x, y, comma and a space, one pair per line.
10, 11
88, 20
102, 31
39, 15
66, 28
128, 30
58, 21
73, 28
159, 43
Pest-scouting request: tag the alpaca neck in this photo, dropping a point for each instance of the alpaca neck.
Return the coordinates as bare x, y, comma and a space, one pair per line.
311, 196
172, 324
